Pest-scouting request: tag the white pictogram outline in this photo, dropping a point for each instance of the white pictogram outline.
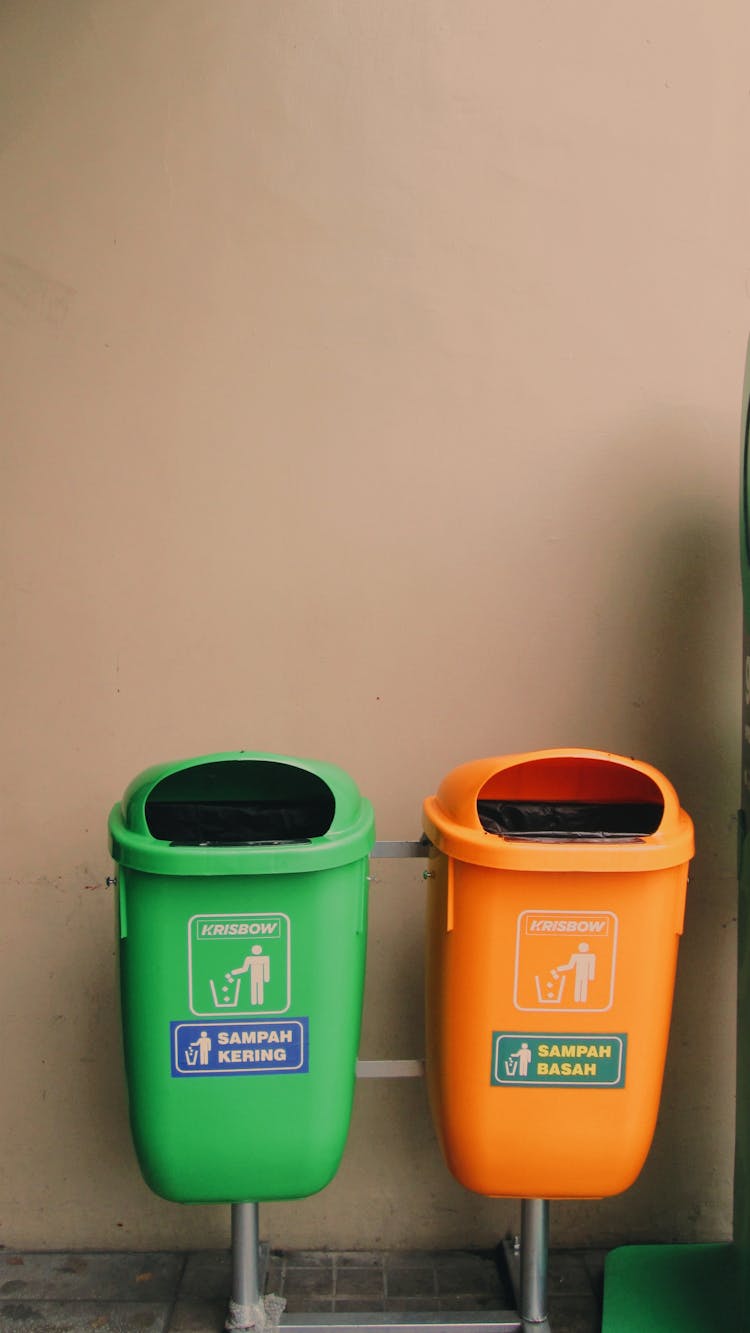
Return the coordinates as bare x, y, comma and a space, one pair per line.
241, 916
556, 913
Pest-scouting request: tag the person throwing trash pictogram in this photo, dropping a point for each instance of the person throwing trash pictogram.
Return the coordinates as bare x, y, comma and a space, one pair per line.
519, 1061
202, 1045
258, 964
583, 964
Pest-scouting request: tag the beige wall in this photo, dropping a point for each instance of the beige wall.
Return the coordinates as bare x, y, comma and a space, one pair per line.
372, 378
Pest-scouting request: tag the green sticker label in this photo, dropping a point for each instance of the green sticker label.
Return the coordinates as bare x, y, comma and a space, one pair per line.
558, 1059
239, 963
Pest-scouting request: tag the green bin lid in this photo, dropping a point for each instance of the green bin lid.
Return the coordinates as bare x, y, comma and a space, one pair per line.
241, 813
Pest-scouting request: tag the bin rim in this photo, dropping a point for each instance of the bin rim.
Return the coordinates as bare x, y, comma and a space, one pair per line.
451, 822
349, 838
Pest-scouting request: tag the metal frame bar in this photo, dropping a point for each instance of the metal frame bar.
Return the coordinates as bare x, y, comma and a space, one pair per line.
484, 1321
389, 1069
386, 851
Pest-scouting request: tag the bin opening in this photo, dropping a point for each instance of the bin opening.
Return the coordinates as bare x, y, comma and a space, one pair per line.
571, 798
238, 802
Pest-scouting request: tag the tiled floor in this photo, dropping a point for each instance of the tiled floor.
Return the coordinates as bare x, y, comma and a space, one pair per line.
178, 1293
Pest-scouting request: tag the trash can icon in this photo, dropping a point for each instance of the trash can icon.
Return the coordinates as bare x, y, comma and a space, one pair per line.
242, 909
556, 900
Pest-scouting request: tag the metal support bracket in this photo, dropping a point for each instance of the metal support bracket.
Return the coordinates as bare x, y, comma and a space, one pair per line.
387, 851
390, 1069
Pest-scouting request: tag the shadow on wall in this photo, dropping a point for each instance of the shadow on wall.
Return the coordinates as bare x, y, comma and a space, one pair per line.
687, 702
691, 662
675, 654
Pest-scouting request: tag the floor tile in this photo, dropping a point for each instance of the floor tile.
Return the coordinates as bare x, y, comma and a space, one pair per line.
567, 1272
358, 1304
207, 1275
79, 1316
309, 1304
309, 1259
359, 1259
411, 1282
470, 1301
274, 1275
106, 1277
359, 1282
132, 1293
466, 1276
410, 1304
575, 1314
196, 1316
308, 1281
414, 1258
594, 1261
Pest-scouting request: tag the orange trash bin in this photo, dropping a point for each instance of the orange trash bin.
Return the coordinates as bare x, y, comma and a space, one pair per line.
556, 900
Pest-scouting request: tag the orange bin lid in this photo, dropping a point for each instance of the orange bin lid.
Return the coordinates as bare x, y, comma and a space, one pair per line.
452, 823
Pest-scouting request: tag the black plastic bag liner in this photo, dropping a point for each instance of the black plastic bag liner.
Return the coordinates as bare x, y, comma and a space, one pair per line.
584, 821
239, 803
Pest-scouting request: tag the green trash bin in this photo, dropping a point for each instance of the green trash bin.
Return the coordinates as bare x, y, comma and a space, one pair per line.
742, 1128
242, 903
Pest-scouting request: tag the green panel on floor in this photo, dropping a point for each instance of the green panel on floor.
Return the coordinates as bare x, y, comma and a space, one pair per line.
670, 1289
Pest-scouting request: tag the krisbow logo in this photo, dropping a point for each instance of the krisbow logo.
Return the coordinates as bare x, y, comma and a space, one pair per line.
224, 929
560, 925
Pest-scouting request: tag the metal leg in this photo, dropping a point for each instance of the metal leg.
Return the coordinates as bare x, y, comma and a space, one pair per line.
526, 1265
246, 1294
534, 1251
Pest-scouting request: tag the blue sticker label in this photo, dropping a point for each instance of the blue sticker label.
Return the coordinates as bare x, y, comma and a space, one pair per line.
203, 1049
